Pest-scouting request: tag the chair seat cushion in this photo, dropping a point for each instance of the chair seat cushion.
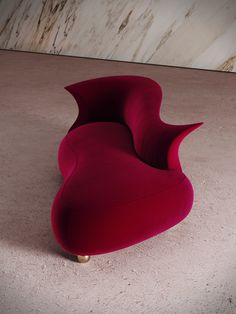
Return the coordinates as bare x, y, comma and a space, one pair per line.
110, 198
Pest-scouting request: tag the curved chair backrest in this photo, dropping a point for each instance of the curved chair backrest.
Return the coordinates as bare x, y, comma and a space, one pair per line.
135, 102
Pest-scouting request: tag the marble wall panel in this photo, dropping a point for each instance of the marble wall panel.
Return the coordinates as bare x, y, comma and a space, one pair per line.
189, 33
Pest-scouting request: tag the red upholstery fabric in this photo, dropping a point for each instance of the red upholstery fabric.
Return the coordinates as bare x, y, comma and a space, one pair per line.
123, 181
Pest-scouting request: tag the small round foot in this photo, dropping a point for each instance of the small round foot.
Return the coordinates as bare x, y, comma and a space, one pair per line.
83, 258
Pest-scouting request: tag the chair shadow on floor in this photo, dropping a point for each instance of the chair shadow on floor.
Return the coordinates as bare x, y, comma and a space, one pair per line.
30, 181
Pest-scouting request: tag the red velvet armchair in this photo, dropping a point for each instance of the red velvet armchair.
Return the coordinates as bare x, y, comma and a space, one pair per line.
123, 181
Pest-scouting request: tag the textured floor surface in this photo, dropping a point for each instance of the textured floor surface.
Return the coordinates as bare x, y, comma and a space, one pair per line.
191, 268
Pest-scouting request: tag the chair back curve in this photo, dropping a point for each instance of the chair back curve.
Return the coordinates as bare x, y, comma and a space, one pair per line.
135, 102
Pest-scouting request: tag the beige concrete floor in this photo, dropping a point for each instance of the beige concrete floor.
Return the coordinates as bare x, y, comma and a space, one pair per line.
188, 269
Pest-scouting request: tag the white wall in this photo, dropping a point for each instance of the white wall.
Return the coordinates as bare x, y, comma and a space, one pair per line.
190, 33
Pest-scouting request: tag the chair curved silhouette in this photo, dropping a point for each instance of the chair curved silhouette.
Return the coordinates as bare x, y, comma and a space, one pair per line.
123, 181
